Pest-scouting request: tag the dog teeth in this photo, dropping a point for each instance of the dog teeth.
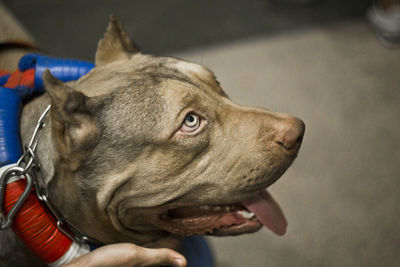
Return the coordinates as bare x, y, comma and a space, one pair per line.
215, 208
246, 214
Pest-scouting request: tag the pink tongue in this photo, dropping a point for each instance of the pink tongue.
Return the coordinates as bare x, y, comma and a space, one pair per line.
268, 212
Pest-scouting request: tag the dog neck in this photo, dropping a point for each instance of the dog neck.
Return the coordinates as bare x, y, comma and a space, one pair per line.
46, 156
45, 151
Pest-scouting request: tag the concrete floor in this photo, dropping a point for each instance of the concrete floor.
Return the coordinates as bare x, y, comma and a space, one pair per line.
341, 196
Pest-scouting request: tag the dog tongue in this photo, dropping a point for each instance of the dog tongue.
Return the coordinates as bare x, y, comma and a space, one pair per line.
267, 212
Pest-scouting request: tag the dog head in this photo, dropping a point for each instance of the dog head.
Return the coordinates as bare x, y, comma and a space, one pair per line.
151, 148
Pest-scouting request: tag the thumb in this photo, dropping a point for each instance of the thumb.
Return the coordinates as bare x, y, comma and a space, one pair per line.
126, 254
162, 256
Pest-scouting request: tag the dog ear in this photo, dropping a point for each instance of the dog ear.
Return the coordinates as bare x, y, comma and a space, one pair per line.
115, 45
74, 128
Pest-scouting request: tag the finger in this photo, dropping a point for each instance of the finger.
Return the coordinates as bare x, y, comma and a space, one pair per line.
162, 256
126, 254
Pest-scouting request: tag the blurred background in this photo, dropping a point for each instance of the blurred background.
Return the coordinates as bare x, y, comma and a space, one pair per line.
321, 62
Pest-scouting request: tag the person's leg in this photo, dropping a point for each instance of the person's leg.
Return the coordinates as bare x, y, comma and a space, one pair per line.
15, 41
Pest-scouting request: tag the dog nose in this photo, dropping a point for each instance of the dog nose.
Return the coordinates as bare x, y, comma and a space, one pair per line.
290, 133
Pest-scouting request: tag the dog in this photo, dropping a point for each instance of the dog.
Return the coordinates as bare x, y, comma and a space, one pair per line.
148, 149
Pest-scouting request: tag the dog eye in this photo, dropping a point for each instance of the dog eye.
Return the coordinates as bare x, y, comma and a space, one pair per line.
191, 123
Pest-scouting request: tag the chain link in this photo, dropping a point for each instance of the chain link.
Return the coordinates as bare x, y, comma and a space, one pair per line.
28, 167
12, 172
21, 170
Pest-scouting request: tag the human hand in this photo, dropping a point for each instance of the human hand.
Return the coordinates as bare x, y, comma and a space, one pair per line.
130, 255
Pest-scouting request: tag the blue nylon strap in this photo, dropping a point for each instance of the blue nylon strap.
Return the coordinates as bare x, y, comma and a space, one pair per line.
64, 69
10, 108
3, 79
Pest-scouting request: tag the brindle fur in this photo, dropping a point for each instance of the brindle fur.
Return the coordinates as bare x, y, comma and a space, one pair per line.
112, 160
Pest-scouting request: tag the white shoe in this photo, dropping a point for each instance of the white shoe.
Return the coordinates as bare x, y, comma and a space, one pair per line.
386, 24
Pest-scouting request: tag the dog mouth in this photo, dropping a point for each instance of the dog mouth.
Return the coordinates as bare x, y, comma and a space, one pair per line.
246, 216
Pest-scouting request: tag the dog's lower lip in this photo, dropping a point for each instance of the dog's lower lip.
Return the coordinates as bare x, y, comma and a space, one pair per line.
250, 227
228, 219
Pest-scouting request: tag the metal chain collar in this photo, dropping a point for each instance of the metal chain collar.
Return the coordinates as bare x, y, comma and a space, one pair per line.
28, 167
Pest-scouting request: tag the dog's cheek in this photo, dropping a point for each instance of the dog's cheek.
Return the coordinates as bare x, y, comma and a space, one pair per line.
188, 150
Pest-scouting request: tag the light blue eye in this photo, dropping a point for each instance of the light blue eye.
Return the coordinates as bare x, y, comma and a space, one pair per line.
191, 120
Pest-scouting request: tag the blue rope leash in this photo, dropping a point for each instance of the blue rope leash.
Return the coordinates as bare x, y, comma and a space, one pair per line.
11, 98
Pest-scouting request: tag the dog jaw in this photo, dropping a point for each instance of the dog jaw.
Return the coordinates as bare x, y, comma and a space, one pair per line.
224, 219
